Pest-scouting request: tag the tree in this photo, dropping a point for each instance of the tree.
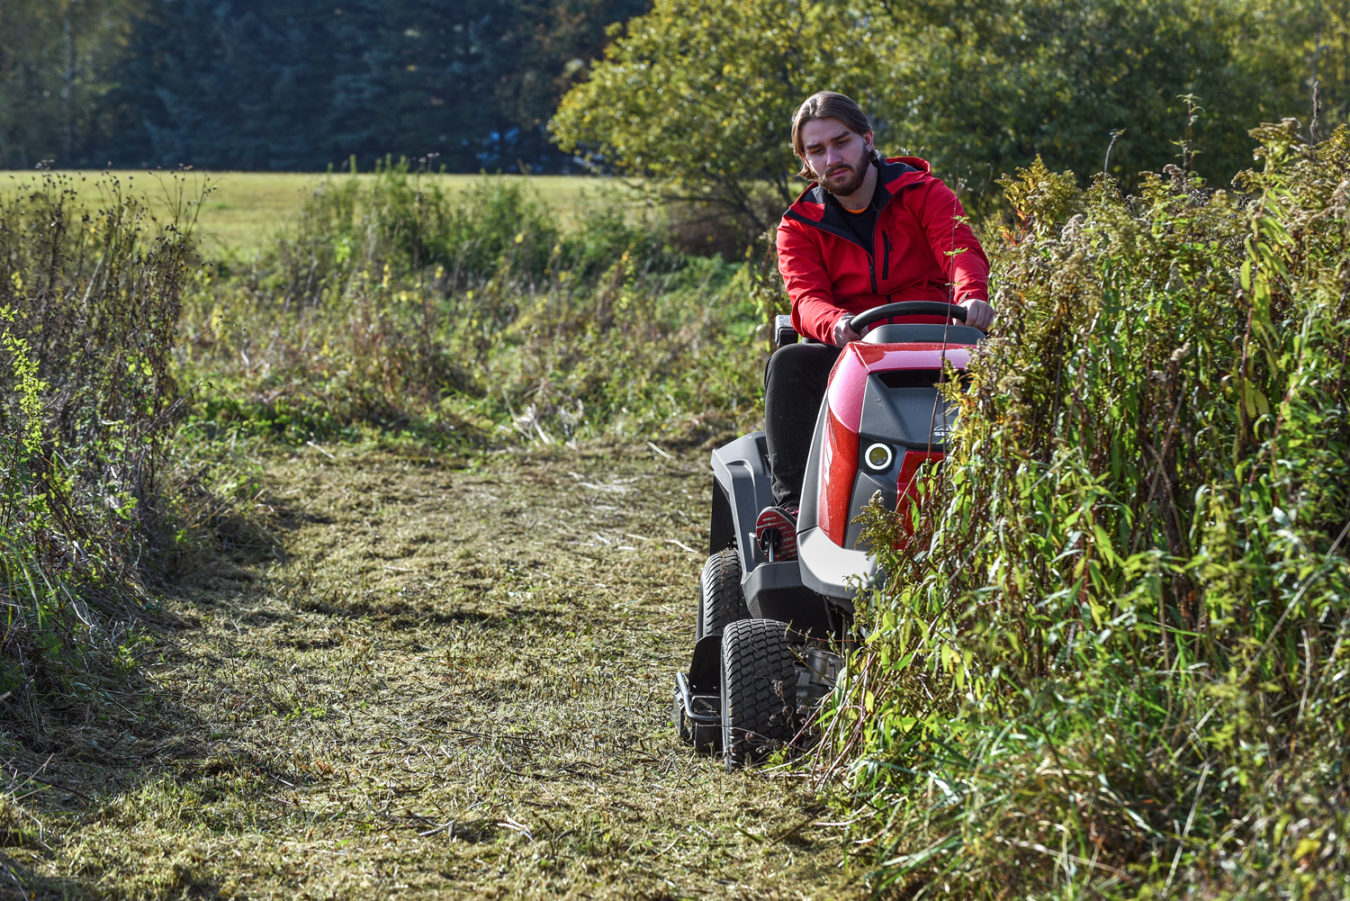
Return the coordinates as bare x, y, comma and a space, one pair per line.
1296, 43
700, 96
56, 63
298, 85
558, 39
996, 83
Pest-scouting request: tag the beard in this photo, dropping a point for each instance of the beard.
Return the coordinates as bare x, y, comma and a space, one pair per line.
843, 180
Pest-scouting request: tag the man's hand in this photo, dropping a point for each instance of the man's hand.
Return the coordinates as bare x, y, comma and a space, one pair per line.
843, 331
978, 314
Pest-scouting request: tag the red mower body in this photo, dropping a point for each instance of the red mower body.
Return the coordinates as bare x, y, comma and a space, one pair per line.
841, 448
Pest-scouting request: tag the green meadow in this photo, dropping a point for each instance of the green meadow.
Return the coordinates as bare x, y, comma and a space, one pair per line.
237, 214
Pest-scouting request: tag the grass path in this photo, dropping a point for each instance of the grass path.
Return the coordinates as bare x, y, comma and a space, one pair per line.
447, 683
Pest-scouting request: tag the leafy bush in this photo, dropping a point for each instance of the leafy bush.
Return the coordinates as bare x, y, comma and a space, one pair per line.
469, 318
89, 303
1113, 662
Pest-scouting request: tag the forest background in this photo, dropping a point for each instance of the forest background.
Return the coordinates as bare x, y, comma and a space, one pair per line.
1117, 669
699, 92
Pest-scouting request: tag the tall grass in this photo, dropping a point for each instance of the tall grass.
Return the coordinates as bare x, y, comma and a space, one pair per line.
1114, 665
472, 317
89, 303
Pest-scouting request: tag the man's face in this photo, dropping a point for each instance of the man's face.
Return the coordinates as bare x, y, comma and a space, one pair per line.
838, 157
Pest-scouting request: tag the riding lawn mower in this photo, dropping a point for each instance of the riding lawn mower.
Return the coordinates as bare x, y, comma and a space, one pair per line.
769, 628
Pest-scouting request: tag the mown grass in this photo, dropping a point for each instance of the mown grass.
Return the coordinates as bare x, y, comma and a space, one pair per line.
444, 682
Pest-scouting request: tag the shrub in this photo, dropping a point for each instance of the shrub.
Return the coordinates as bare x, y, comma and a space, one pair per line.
89, 303
1111, 666
469, 318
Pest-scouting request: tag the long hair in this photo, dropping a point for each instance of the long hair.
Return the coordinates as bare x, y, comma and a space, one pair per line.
827, 105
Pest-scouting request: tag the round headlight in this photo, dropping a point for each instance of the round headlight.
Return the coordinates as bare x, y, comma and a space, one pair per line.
878, 457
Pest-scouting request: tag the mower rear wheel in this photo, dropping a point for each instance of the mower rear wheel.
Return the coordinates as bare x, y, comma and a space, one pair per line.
759, 690
720, 600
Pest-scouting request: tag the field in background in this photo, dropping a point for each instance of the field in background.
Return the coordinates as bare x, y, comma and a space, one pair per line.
241, 212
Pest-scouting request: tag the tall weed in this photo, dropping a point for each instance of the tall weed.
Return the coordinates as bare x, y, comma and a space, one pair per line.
470, 318
1111, 666
89, 303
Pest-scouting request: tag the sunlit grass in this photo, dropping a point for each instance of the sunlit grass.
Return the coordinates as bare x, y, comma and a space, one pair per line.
241, 212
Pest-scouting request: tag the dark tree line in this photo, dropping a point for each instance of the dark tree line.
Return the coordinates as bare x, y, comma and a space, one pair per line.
292, 84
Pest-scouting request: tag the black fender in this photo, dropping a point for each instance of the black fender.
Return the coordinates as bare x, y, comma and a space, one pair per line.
705, 671
742, 487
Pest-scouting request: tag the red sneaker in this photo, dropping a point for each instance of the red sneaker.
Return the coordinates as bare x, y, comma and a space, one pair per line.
776, 532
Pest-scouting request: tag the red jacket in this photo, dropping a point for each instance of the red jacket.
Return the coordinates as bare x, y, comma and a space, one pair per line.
920, 224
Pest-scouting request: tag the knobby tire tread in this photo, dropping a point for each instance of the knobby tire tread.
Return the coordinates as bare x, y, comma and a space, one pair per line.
758, 690
721, 601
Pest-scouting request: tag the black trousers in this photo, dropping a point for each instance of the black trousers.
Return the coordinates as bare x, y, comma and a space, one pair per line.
794, 385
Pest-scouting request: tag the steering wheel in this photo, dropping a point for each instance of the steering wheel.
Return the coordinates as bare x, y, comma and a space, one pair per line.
907, 308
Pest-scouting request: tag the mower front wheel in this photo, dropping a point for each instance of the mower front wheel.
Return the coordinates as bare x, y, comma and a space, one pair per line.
759, 690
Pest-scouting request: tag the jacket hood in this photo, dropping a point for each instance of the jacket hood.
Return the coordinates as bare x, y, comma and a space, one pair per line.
895, 174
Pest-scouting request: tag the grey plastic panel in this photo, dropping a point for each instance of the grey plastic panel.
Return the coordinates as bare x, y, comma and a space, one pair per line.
741, 468
864, 487
916, 418
775, 591
922, 333
901, 418
833, 571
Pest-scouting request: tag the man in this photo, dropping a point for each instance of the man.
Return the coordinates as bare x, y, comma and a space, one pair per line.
868, 231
